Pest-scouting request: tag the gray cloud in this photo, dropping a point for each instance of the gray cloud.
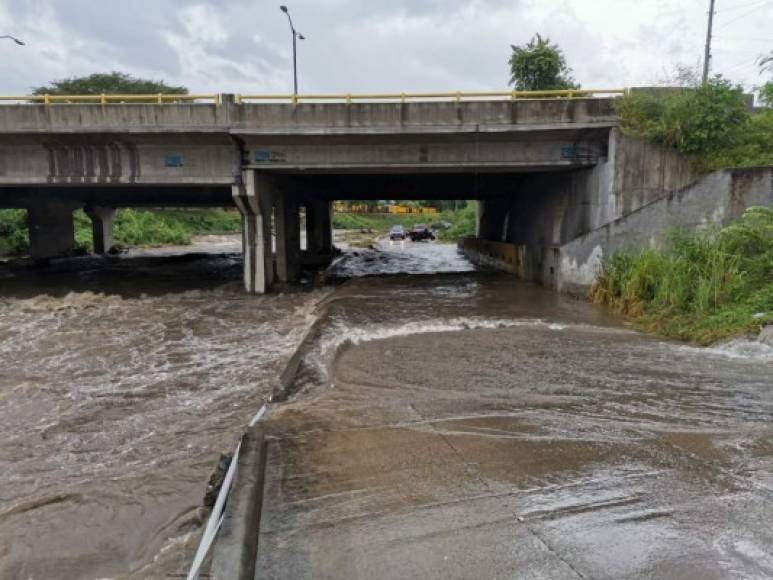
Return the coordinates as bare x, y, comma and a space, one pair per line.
367, 45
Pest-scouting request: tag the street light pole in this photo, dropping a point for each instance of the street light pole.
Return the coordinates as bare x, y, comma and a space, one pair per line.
296, 35
16, 40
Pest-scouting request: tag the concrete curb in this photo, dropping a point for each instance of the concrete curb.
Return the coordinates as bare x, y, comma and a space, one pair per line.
292, 364
236, 548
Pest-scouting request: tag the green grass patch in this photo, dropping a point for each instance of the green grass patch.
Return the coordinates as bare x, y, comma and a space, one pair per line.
702, 287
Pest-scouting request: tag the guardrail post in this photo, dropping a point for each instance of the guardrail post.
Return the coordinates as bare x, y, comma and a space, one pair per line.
160, 99
103, 99
47, 99
348, 99
294, 99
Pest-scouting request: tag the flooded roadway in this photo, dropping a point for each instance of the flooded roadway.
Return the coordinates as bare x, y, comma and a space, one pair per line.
467, 426
458, 425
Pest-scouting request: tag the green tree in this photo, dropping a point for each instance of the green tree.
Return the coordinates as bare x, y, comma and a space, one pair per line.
114, 83
540, 66
766, 90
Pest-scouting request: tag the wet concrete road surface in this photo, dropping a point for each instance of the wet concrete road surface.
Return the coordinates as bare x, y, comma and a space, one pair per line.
467, 426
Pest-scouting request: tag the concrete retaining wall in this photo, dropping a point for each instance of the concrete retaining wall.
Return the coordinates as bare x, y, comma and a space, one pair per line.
499, 255
716, 199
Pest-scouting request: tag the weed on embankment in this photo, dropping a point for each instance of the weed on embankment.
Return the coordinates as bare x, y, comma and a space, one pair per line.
702, 286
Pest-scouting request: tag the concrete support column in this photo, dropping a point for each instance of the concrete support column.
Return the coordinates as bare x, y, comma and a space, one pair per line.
51, 229
288, 238
101, 227
319, 231
492, 219
254, 198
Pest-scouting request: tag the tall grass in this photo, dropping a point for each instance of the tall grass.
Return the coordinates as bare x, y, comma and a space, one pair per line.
702, 287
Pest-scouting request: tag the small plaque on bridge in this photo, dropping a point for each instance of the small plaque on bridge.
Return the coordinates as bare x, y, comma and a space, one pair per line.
568, 152
262, 156
173, 160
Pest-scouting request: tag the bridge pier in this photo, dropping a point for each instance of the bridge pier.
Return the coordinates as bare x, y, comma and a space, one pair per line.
51, 228
101, 227
492, 219
288, 238
319, 232
254, 198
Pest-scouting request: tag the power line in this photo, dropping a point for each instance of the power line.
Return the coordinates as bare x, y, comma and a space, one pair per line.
740, 6
744, 15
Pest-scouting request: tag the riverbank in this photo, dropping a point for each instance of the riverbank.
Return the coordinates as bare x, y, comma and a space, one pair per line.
702, 288
132, 227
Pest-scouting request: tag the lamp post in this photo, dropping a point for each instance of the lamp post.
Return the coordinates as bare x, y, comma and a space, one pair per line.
296, 36
16, 40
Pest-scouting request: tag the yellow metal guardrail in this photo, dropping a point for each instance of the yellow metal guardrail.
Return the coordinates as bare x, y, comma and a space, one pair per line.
165, 98
452, 96
158, 98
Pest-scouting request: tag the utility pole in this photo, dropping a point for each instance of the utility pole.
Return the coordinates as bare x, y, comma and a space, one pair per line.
707, 54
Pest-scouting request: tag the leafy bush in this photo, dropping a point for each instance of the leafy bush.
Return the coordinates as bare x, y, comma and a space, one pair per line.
766, 94
699, 120
703, 286
13, 232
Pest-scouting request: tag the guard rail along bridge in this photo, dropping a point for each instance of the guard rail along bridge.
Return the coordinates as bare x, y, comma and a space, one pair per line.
547, 167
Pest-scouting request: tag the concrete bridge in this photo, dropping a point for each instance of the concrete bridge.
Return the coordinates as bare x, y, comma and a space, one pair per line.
547, 170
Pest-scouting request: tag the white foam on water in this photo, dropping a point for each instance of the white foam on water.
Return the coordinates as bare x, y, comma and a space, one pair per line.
737, 348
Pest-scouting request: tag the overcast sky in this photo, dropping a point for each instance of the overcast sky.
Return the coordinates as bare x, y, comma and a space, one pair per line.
369, 45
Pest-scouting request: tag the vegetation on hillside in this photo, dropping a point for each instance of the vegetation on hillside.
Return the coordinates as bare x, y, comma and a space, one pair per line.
702, 287
710, 123
539, 66
132, 227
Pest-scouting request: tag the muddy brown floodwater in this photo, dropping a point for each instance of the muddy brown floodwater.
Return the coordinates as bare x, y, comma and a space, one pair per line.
452, 425
121, 383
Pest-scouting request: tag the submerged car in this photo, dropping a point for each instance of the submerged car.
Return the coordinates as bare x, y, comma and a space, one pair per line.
397, 233
420, 232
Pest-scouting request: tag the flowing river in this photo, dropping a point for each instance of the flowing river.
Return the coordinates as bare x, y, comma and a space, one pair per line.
123, 380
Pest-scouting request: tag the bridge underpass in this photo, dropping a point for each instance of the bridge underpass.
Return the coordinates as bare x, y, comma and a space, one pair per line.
545, 170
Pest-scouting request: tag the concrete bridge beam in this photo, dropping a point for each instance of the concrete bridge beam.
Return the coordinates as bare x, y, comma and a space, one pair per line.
254, 198
101, 226
51, 228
